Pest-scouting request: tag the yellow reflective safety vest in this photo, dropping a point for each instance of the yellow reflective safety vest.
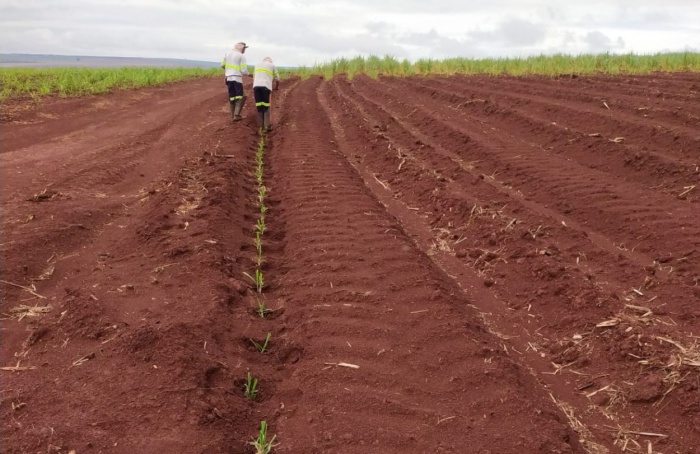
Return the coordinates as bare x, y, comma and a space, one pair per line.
265, 72
235, 66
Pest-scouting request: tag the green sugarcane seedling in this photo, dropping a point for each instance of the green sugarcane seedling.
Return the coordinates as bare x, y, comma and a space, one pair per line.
257, 241
261, 444
251, 387
259, 281
262, 310
258, 246
260, 225
262, 348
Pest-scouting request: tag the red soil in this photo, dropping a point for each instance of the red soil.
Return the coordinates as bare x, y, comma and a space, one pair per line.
513, 264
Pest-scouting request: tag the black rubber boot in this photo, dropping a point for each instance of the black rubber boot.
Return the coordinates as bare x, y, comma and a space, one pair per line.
266, 121
237, 110
232, 105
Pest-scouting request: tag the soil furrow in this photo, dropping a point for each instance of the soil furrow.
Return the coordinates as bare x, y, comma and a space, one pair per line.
631, 162
530, 284
130, 333
547, 179
661, 85
433, 163
109, 178
648, 135
657, 89
648, 103
325, 405
53, 119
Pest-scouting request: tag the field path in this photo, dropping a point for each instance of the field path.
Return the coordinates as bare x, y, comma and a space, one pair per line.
452, 264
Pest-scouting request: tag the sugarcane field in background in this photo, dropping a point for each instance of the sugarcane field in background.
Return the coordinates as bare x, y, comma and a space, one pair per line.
543, 65
68, 82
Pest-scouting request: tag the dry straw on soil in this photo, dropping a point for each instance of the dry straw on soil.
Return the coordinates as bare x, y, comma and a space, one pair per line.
23, 311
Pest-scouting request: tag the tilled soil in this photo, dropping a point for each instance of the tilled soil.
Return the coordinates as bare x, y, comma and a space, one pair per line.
457, 264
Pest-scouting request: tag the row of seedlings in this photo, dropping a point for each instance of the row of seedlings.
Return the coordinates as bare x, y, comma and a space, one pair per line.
262, 444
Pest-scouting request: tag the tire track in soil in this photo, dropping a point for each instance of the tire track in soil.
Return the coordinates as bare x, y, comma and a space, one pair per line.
662, 87
674, 103
630, 159
358, 292
666, 91
442, 164
565, 299
616, 210
506, 189
673, 106
672, 136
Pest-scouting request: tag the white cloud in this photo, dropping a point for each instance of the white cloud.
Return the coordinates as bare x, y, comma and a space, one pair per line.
599, 42
512, 33
310, 31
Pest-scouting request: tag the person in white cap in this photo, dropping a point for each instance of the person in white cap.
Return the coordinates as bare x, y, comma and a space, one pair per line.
235, 67
265, 77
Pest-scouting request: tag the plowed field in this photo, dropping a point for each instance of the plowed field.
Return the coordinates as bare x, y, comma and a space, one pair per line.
453, 265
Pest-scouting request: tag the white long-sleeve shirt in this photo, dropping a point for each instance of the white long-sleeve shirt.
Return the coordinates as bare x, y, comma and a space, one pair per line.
265, 72
235, 66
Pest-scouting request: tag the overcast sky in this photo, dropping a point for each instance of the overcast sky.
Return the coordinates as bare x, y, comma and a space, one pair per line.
304, 32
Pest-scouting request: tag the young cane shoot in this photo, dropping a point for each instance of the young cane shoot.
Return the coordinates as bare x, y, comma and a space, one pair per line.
261, 444
262, 191
260, 225
262, 348
259, 281
251, 387
262, 310
258, 243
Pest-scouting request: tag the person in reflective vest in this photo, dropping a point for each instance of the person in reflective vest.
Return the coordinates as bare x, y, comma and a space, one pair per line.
265, 77
235, 67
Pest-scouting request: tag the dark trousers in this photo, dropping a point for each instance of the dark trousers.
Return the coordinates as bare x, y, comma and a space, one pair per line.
262, 98
235, 90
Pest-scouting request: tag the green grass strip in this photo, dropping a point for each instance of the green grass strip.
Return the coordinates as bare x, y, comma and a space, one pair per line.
546, 65
69, 82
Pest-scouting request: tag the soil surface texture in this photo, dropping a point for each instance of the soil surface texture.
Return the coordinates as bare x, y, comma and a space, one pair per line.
487, 265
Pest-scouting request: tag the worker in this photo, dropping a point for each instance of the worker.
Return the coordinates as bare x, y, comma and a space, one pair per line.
265, 77
235, 67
